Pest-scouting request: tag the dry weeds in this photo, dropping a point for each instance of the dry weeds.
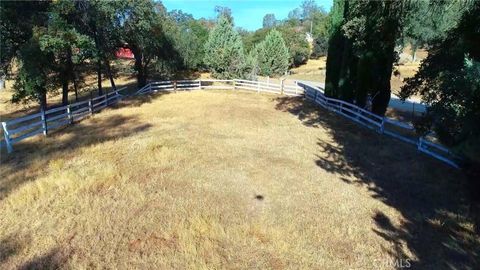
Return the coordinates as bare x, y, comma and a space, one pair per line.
223, 179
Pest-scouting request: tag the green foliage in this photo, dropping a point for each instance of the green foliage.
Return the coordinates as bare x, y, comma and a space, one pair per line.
320, 47
66, 44
335, 51
309, 9
362, 50
273, 55
269, 20
144, 30
427, 21
16, 27
224, 54
32, 80
224, 12
252, 68
297, 44
449, 82
251, 39
189, 36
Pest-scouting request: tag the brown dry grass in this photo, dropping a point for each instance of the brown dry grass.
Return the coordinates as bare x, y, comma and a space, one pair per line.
227, 180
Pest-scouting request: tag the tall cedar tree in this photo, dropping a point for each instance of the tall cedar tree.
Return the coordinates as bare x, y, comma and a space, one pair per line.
362, 51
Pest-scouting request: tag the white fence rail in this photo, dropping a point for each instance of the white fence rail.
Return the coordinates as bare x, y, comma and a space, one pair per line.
384, 125
256, 86
18, 129
24, 127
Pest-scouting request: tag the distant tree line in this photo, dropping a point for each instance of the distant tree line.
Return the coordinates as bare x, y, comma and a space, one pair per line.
57, 44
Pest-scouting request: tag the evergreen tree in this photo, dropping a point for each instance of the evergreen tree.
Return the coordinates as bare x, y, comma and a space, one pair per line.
361, 51
252, 68
273, 55
224, 54
336, 45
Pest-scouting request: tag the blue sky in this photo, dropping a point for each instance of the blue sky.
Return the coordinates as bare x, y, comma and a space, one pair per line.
247, 14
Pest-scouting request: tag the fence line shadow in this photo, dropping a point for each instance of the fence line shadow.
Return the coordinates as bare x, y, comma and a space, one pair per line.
39, 150
430, 195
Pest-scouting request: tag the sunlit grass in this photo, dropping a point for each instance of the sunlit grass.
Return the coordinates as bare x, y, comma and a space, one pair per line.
207, 179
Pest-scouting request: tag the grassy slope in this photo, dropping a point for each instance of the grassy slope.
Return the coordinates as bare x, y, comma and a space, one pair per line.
227, 180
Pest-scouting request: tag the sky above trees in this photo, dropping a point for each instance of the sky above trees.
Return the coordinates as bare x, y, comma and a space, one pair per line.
248, 14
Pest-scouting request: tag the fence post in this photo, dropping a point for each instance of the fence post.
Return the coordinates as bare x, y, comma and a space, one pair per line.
382, 126
90, 108
199, 84
258, 87
175, 86
282, 86
44, 122
69, 114
234, 84
7, 138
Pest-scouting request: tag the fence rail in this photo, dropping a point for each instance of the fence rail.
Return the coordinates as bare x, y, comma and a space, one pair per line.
18, 129
384, 125
21, 128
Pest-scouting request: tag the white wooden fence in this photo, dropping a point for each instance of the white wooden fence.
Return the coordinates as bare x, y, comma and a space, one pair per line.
18, 129
43, 122
400, 130
182, 85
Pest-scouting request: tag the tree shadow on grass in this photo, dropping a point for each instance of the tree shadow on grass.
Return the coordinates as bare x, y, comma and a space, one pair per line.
30, 157
431, 196
54, 259
9, 246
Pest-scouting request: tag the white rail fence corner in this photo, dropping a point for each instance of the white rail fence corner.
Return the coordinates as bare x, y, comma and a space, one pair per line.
21, 128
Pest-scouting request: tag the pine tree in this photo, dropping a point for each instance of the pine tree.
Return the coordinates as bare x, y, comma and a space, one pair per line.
273, 54
252, 68
224, 54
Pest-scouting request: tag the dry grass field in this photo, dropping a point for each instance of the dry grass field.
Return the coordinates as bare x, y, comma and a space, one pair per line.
228, 180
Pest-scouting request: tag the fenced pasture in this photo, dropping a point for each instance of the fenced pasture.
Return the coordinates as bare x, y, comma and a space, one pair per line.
228, 179
21, 128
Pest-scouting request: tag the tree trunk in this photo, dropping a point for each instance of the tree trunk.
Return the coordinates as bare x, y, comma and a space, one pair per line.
64, 89
413, 47
42, 99
99, 77
2, 82
75, 85
139, 67
110, 75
